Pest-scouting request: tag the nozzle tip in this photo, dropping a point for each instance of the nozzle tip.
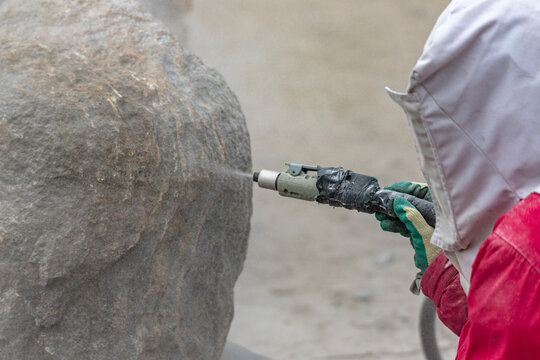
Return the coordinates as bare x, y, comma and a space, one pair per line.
256, 176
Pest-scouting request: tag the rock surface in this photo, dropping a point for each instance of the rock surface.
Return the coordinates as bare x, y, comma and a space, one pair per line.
124, 212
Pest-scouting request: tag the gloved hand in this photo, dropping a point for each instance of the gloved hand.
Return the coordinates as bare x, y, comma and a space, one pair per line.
410, 223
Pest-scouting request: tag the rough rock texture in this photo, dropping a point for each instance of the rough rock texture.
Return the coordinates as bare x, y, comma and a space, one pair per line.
123, 213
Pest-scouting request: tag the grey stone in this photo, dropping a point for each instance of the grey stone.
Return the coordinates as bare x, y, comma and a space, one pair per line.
123, 220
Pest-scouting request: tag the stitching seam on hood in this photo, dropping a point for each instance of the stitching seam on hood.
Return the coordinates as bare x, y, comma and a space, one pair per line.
440, 172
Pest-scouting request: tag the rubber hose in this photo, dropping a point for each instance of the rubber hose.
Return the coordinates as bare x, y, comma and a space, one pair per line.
428, 336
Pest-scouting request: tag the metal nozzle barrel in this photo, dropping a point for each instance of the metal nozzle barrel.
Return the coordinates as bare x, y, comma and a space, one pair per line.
300, 186
266, 179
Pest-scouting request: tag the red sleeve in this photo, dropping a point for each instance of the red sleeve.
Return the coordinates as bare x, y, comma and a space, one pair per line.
440, 283
504, 296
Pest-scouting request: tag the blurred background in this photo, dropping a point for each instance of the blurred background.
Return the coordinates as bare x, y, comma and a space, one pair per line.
319, 283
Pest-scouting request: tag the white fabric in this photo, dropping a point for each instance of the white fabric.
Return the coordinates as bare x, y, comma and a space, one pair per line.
473, 104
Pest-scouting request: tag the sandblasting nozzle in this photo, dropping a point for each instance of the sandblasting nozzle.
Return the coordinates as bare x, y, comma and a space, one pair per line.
338, 187
266, 179
295, 182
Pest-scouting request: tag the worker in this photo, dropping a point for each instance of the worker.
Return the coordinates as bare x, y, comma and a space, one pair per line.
473, 106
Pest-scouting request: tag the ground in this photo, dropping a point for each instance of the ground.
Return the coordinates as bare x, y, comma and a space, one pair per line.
322, 283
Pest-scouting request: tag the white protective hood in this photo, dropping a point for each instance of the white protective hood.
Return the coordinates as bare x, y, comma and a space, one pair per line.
473, 104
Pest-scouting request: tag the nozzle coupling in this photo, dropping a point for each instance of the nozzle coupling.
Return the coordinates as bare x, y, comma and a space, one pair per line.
266, 179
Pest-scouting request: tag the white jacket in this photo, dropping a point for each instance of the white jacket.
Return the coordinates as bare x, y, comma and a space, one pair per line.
473, 105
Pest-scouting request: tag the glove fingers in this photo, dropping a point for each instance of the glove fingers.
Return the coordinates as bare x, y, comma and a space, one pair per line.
419, 190
414, 222
395, 226
381, 216
412, 218
392, 224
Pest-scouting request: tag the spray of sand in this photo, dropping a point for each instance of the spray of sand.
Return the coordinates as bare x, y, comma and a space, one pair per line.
229, 172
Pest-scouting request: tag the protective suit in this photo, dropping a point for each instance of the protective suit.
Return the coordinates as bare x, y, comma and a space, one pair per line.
473, 105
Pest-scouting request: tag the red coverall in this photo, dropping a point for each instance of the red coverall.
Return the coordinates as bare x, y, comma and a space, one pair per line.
500, 317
